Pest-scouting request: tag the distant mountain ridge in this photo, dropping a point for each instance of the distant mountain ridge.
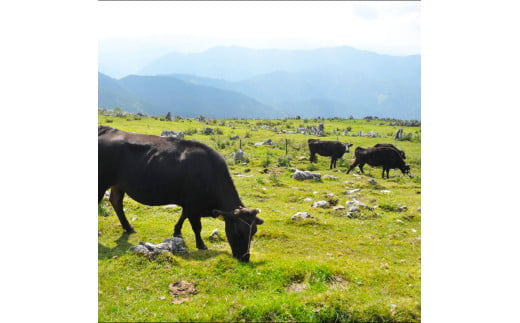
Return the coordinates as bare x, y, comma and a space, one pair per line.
241, 82
158, 95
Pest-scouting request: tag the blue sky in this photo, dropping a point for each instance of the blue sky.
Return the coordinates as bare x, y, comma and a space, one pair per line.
389, 27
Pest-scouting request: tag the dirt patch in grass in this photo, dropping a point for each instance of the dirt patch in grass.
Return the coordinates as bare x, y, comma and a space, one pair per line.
297, 287
180, 291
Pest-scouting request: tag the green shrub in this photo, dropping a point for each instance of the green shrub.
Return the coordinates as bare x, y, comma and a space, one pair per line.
266, 162
284, 161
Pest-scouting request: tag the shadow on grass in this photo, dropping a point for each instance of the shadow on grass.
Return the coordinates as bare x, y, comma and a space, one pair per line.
121, 248
192, 255
203, 255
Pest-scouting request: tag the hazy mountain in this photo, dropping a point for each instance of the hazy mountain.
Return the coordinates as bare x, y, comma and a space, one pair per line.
237, 63
158, 95
327, 92
326, 82
112, 94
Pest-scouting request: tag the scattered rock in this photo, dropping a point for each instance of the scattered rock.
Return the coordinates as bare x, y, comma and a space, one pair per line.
174, 245
385, 191
354, 209
174, 134
215, 236
243, 175
207, 131
339, 208
352, 191
408, 216
235, 137
267, 142
239, 156
330, 177
355, 202
403, 208
308, 199
303, 175
322, 204
301, 216
170, 206
372, 181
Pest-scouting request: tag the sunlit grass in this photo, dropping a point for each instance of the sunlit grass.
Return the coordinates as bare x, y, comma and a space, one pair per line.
332, 268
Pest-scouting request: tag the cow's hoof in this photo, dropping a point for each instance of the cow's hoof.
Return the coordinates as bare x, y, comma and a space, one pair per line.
130, 231
202, 247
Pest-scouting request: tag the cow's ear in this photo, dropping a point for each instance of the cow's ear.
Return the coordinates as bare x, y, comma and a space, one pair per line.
220, 214
350, 145
259, 221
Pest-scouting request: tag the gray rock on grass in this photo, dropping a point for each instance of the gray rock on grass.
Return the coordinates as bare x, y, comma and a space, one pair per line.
174, 245
301, 216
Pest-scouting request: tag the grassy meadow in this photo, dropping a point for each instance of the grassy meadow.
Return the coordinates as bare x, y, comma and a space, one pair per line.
332, 267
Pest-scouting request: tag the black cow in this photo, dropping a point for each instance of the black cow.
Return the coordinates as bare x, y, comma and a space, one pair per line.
401, 152
332, 149
386, 157
155, 170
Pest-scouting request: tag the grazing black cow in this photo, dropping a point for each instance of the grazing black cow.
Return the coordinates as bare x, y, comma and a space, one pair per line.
386, 157
155, 170
401, 152
332, 149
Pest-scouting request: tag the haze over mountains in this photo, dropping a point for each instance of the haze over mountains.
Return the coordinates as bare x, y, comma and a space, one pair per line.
226, 82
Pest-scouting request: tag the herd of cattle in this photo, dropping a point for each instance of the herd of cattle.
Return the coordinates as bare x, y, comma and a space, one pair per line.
155, 170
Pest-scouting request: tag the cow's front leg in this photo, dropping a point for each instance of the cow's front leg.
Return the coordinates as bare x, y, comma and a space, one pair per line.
116, 199
352, 167
197, 228
178, 226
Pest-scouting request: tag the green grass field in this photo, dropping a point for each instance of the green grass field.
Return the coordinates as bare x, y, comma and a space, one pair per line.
334, 267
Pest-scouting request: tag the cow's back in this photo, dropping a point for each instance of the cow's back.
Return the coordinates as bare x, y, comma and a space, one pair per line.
157, 170
383, 156
327, 148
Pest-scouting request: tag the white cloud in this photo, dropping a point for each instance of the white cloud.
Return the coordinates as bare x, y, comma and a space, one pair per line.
389, 27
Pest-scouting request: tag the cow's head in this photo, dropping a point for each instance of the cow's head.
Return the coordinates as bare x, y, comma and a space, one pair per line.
405, 169
347, 147
240, 229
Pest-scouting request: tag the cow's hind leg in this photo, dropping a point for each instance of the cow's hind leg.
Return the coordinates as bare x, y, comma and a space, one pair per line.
387, 172
197, 228
116, 199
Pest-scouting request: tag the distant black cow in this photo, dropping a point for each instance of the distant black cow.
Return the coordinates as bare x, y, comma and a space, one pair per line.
157, 170
332, 149
401, 152
388, 158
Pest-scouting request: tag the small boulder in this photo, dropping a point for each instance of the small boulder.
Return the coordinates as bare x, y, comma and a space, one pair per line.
301, 216
330, 177
322, 204
215, 236
303, 175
